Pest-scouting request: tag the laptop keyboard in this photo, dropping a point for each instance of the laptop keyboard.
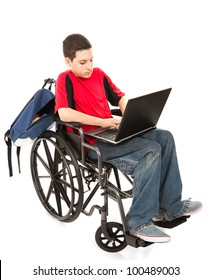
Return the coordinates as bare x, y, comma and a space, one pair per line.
109, 134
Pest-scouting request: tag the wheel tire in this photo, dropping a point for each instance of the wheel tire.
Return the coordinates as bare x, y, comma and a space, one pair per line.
118, 240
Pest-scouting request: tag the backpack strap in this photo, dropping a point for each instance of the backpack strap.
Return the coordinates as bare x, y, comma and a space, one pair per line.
18, 157
50, 82
9, 153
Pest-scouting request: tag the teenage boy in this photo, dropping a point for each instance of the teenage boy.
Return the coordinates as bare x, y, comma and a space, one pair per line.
150, 159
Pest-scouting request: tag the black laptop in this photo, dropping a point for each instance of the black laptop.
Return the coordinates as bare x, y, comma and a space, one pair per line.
141, 115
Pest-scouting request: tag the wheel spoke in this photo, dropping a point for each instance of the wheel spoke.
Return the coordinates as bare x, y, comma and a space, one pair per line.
43, 162
48, 154
50, 191
63, 193
119, 241
58, 201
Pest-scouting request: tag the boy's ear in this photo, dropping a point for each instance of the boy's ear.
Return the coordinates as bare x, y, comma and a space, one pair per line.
68, 61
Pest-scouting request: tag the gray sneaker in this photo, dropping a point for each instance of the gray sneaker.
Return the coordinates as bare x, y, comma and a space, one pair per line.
152, 234
193, 207
159, 217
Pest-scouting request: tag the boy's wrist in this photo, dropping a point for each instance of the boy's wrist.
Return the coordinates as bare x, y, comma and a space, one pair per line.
101, 122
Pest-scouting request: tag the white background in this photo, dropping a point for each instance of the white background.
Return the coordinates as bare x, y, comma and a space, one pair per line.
143, 46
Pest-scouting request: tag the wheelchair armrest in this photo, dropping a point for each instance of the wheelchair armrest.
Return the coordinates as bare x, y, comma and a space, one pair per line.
116, 112
71, 124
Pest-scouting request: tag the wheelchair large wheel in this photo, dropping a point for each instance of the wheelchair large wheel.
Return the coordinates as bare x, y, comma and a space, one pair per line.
117, 240
56, 176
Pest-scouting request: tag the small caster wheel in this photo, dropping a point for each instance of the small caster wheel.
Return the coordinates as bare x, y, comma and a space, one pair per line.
117, 240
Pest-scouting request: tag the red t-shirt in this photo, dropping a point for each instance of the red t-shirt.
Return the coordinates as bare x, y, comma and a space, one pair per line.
87, 95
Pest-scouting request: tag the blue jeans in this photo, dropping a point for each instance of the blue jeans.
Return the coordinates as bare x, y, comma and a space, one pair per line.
151, 160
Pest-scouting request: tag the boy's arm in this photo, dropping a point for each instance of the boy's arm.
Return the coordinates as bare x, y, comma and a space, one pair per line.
71, 115
122, 104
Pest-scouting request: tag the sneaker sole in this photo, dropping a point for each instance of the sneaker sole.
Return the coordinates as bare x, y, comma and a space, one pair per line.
158, 220
154, 239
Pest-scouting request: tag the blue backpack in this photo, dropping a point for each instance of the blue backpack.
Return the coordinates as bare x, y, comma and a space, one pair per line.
36, 116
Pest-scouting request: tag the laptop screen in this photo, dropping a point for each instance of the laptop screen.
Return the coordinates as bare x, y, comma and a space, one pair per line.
142, 113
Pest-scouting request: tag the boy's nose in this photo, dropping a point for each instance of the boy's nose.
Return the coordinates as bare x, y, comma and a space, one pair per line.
89, 65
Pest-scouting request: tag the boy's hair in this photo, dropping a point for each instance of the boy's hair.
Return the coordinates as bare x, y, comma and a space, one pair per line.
74, 43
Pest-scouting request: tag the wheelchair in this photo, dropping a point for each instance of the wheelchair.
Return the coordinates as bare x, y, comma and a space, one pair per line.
66, 181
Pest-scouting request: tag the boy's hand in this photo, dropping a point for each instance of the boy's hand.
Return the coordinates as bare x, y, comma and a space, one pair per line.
112, 122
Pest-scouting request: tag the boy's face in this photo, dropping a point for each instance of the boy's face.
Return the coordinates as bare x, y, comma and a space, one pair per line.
82, 64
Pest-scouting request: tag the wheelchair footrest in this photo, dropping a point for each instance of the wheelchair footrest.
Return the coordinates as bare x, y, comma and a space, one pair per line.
173, 223
136, 241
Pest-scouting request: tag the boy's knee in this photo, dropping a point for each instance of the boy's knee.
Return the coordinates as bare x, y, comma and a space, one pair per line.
166, 137
168, 134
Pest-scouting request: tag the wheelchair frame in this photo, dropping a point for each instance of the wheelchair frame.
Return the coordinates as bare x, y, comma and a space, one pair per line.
60, 168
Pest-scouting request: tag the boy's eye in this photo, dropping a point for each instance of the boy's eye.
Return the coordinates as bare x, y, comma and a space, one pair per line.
84, 62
